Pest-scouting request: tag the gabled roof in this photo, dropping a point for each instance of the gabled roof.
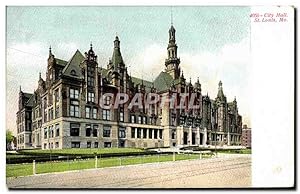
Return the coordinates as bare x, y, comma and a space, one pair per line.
164, 81
72, 68
139, 81
30, 101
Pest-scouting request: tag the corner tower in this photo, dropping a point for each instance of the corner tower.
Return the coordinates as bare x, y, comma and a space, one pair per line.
172, 62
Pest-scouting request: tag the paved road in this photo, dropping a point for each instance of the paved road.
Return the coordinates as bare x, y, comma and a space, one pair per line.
233, 171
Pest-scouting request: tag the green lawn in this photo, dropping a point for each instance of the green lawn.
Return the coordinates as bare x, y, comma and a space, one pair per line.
86, 151
242, 151
15, 170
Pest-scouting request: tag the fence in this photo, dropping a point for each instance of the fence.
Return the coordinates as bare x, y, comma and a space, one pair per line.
97, 162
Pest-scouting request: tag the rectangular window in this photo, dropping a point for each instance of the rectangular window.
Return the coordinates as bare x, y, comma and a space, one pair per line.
155, 133
75, 144
122, 132
96, 145
160, 133
57, 130
140, 120
150, 133
132, 132
88, 130
45, 133
56, 111
121, 116
107, 100
145, 120
88, 144
87, 112
74, 93
94, 113
132, 119
74, 109
91, 97
139, 131
56, 93
106, 114
151, 121
107, 144
144, 133
52, 131
51, 114
95, 130
90, 81
106, 131
74, 129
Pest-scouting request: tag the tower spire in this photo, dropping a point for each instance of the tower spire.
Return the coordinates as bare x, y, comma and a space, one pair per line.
171, 16
50, 51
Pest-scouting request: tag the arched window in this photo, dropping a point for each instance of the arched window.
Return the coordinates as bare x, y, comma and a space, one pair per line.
73, 72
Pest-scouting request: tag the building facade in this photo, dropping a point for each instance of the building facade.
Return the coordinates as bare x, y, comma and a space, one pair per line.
65, 109
246, 136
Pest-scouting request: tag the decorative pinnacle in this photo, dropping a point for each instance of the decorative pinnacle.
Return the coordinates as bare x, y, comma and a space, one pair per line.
171, 15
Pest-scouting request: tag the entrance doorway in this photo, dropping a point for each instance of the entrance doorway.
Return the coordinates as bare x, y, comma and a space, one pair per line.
185, 138
201, 138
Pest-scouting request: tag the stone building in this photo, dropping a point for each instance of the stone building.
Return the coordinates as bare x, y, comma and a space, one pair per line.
246, 136
65, 109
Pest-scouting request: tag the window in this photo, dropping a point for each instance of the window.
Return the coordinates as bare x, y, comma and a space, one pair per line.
132, 132
87, 112
139, 133
51, 131
173, 134
150, 133
90, 81
121, 116
107, 100
106, 114
160, 133
56, 144
96, 145
45, 133
57, 130
94, 113
88, 144
140, 120
74, 129
145, 120
155, 133
75, 144
74, 93
132, 119
88, 130
51, 114
106, 131
95, 131
107, 144
144, 133
56, 111
45, 146
74, 109
91, 97
122, 132
56, 94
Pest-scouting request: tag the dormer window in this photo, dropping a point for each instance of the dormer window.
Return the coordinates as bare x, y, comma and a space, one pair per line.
73, 72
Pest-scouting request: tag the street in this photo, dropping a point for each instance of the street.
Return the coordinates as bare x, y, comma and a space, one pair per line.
231, 170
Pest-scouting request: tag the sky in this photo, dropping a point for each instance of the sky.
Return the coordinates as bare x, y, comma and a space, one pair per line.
213, 44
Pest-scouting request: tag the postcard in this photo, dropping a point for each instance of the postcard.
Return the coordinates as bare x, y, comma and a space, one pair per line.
150, 97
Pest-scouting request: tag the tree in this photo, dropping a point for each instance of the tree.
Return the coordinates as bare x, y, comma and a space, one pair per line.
9, 138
